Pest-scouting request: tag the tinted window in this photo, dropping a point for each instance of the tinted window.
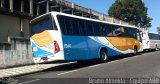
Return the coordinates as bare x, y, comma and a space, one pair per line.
41, 25
154, 36
68, 26
72, 26
75, 28
89, 28
96, 29
125, 31
103, 30
81, 27
108, 30
116, 30
62, 22
133, 33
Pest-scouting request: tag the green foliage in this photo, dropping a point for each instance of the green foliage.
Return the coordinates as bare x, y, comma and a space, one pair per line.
132, 11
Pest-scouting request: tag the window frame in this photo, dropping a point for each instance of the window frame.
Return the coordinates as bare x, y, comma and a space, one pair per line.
95, 30
53, 23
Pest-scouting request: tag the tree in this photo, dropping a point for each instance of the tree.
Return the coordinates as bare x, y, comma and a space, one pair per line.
132, 11
158, 30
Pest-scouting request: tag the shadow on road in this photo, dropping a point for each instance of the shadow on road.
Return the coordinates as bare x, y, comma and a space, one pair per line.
73, 66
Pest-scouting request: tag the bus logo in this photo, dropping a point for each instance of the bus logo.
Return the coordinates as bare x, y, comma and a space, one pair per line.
43, 38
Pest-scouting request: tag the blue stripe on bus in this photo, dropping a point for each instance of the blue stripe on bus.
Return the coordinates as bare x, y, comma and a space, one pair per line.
40, 52
83, 48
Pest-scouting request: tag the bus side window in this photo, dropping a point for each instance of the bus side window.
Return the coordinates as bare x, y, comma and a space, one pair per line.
68, 24
105, 31
81, 27
150, 35
75, 27
122, 31
117, 31
108, 30
113, 30
133, 33
89, 28
96, 28
62, 24
101, 30
126, 32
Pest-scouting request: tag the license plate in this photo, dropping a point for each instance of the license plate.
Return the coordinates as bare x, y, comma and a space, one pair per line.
44, 58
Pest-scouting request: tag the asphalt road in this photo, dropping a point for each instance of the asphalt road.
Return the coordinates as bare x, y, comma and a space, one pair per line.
144, 65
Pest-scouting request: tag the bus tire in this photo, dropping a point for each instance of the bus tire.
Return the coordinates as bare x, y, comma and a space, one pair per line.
156, 48
103, 55
135, 50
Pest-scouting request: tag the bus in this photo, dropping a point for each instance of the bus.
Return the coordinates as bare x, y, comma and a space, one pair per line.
59, 36
151, 41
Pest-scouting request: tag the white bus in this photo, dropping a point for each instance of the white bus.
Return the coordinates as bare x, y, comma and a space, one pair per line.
151, 41
60, 36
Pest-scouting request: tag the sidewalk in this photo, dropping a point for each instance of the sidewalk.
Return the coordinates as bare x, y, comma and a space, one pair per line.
26, 69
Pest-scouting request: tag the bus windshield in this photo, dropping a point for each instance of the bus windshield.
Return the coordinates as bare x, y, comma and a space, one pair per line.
41, 25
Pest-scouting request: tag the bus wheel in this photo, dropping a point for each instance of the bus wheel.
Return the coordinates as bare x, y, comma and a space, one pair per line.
156, 48
135, 51
103, 56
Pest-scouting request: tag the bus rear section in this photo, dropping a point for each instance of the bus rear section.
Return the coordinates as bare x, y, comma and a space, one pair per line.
145, 40
45, 39
154, 40
151, 41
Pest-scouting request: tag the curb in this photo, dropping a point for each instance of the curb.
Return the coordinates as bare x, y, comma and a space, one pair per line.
17, 71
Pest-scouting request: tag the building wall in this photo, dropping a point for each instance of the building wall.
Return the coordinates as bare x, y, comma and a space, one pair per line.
17, 53
11, 26
26, 28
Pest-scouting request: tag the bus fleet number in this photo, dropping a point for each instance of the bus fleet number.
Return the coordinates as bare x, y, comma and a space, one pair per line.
67, 46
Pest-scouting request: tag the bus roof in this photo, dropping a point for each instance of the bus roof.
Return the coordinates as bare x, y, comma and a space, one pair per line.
154, 33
